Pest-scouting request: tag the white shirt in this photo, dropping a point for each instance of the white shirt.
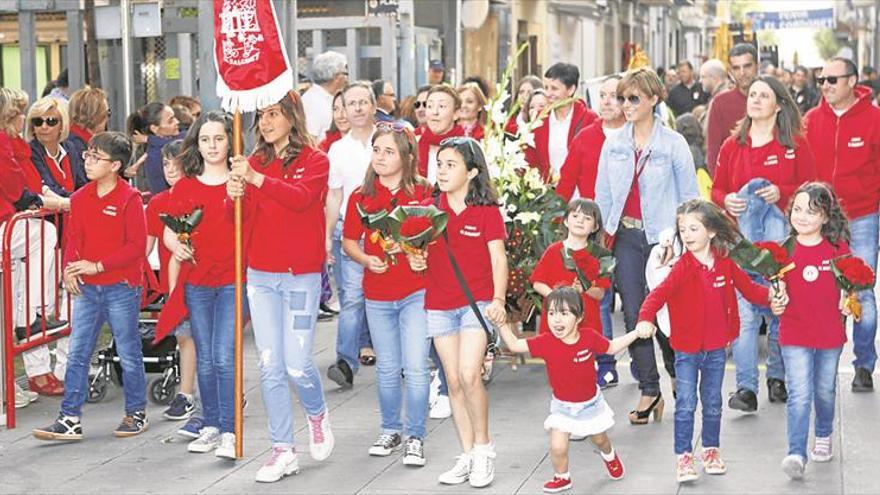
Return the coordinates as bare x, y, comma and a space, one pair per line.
432, 165
559, 140
318, 107
349, 160
60, 158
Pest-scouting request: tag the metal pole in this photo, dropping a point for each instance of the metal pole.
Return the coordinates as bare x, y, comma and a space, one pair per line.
127, 80
75, 55
458, 48
27, 40
239, 304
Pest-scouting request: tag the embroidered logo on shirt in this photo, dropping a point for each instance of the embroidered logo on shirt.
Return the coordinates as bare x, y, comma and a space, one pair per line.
298, 173
789, 154
109, 210
810, 273
855, 142
771, 160
582, 356
470, 231
719, 282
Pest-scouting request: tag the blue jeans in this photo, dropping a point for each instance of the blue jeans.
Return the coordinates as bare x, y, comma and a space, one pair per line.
285, 311
212, 318
400, 338
745, 347
352, 332
704, 369
864, 245
118, 305
810, 377
606, 360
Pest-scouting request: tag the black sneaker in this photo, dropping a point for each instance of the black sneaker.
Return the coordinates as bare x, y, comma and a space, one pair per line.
132, 424
324, 307
863, 381
180, 408
744, 400
36, 328
776, 390
386, 444
65, 429
341, 374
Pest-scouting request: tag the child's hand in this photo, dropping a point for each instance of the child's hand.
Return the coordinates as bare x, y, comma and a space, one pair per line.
778, 302
645, 329
235, 187
376, 265
577, 286
496, 319
183, 252
417, 262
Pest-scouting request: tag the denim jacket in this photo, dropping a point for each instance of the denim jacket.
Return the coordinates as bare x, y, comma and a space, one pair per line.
667, 180
762, 221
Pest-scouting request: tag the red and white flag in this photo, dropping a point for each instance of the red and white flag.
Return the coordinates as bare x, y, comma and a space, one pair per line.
252, 65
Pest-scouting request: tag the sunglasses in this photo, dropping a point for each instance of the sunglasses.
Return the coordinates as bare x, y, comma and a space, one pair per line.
420, 104
459, 141
831, 79
633, 100
392, 126
39, 121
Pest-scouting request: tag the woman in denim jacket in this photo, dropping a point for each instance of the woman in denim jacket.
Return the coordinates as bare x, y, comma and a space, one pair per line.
645, 172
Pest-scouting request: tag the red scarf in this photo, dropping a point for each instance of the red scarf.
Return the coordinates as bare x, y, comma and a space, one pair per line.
475, 131
429, 139
81, 133
22, 153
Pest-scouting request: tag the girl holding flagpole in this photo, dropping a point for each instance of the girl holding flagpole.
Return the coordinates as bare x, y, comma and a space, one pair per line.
283, 186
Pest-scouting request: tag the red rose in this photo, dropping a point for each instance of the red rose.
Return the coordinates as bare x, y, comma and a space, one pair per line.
413, 226
586, 263
375, 204
779, 253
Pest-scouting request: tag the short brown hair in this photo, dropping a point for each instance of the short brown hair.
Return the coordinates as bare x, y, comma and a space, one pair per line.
643, 80
481, 98
448, 90
88, 107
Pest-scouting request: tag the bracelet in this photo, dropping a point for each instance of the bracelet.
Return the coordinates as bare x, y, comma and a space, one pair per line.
499, 299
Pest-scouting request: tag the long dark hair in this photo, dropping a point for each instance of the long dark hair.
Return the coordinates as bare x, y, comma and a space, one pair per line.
822, 198
726, 232
481, 192
337, 96
408, 150
146, 116
788, 118
591, 209
190, 157
297, 139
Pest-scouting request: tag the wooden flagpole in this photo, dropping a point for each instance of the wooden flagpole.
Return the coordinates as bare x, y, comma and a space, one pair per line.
237, 146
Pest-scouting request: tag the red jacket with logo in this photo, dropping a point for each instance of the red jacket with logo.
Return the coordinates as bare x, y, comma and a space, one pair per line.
847, 151
682, 291
539, 156
582, 163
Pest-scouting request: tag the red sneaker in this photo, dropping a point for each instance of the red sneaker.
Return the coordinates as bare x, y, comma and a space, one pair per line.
614, 467
557, 484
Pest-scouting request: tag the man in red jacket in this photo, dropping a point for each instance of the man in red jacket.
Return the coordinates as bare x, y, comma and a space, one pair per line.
844, 133
729, 107
553, 138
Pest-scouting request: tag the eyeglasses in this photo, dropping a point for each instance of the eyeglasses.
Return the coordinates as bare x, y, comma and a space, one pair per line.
633, 100
831, 79
358, 103
39, 121
94, 156
419, 104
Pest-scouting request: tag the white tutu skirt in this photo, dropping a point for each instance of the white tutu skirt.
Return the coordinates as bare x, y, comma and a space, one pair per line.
580, 418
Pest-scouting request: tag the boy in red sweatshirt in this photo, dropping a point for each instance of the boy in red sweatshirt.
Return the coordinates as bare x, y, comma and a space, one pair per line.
103, 263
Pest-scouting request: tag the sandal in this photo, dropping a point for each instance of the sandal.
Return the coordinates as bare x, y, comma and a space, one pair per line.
367, 357
637, 417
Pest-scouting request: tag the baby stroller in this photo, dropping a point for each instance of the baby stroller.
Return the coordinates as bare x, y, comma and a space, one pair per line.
161, 358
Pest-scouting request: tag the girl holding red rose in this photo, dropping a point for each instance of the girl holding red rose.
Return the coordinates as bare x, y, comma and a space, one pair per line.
811, 330
394, 294
584, 223
701, 293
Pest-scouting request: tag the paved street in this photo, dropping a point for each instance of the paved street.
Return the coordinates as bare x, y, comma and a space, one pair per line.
157, 461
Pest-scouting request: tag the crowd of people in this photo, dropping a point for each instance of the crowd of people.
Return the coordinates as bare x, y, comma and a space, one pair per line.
791, 162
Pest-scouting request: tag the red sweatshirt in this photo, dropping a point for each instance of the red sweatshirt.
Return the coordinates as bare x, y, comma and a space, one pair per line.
847, 150
683, 291
109, 229
11, 178
31, 175
726, 109
786, 168
539, 156
286, 215
582, 164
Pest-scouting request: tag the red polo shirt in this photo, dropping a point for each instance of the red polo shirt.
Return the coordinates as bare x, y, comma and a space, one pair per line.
109, 229
469, 234
159, 204
571, 369
399, 280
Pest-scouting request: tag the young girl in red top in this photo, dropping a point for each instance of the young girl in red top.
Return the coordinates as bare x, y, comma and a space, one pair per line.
283, 187
208, 280
395, 295
584, 223
474, 237
577, 406
811, 330
701, 294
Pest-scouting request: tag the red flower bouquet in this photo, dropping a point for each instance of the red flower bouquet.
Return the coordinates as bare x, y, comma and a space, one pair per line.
415, 227
852, 275
590, 264
765, 258
183, 225
374, 213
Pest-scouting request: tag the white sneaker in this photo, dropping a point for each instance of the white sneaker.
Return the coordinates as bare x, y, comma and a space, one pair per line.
415, 452
320, 436
282, 462
386, 444
226, 449
822, 450
434, 388
21, 400
793, 465
482, 467
440, 408
459, 473
209, 439
31, 396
